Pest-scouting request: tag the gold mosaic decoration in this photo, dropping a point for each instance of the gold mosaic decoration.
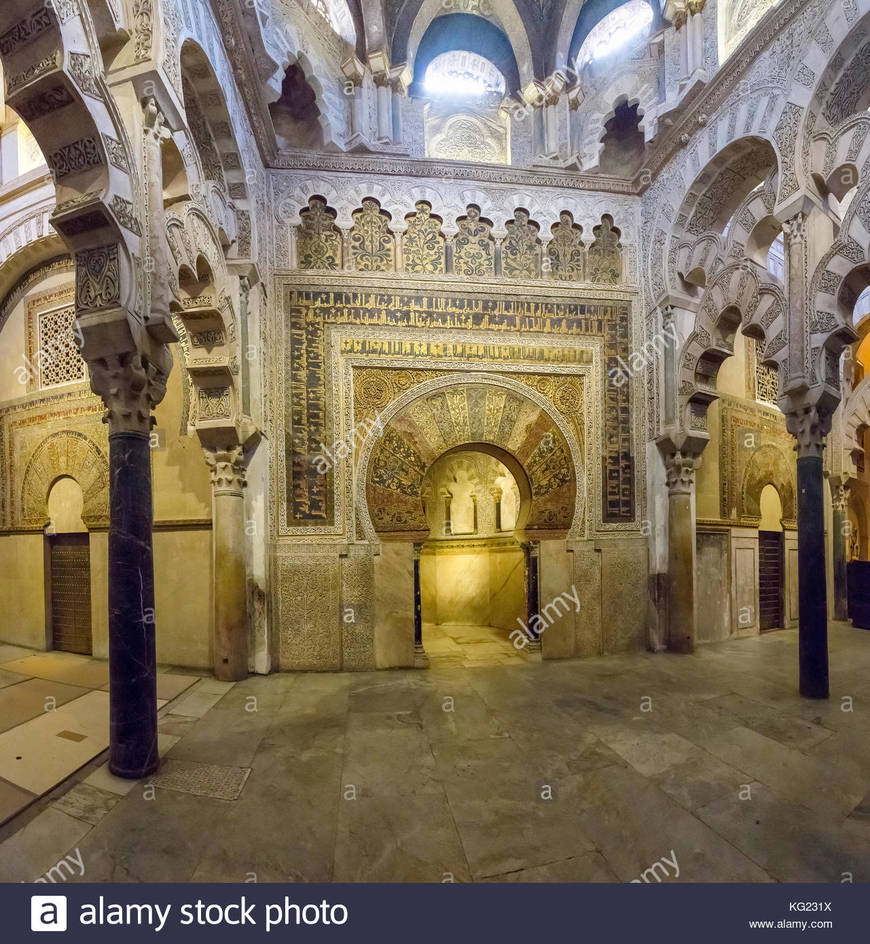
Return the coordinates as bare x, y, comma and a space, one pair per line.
604, 257
466, 413
318, 239
309, 312
521, 248
473, 245
372, 246
423, 244
565, 253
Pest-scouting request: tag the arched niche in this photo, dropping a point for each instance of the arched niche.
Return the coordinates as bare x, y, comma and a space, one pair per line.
769, 467
65, 454
507, 478
770, 506
501, 413
296, 116
65, 507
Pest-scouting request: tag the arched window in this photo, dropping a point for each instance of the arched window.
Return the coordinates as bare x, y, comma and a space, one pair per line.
464, 120
622, 25
736, 19
462, 74
337, 14
776, 258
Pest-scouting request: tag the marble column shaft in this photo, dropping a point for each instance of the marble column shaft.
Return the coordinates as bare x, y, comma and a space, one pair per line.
810, 426
812, 595
230, 569
132, 649
682, 627
838, 527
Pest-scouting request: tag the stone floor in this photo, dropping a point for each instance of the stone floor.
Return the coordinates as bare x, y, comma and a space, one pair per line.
54, 718
451, 644
576, 771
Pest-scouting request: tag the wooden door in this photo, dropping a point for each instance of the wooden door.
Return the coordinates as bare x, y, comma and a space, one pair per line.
771, 558
70, 592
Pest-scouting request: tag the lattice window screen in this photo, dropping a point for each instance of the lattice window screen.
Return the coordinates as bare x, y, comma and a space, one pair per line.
58, 359
766, 379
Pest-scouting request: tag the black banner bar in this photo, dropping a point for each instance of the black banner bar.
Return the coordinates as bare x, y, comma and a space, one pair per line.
420, 914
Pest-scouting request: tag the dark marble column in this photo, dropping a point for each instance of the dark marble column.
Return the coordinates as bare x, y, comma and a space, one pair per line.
130, 385
531, 551
810, 429
421, 660
840, 504
132, 653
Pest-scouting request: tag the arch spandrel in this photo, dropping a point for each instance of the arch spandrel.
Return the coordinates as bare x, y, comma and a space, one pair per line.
479, 412
65, 453
769, 465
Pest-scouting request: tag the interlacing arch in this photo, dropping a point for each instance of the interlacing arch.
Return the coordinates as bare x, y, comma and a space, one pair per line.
204, 312
736, 296
719, 196
71, 113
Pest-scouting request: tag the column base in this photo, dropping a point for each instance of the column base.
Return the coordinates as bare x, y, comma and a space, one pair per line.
421, 660
134, 774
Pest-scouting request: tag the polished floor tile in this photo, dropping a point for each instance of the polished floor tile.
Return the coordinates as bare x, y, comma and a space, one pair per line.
31, 698
36, 756
63, 667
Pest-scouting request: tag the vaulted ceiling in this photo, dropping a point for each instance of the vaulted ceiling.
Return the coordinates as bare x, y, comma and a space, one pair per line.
387, 24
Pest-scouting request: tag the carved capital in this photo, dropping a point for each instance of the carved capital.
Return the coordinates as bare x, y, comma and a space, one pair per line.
840, 498
227, 468
130, 386
795, 229
154, 122
696, 6
680, 471
679, 15
809, 426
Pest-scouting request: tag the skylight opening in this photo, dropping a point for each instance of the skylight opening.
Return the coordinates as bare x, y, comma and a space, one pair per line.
462, 74
620, 27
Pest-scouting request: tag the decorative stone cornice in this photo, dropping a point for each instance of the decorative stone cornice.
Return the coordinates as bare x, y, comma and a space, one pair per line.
130, 386
809, 426
228, 469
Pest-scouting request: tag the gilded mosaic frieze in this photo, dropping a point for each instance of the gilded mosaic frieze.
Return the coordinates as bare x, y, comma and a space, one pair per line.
475, 412
318, 239
310, 314
521, 248
372, 245
604, 258
565, 253
473, 245
423, 243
